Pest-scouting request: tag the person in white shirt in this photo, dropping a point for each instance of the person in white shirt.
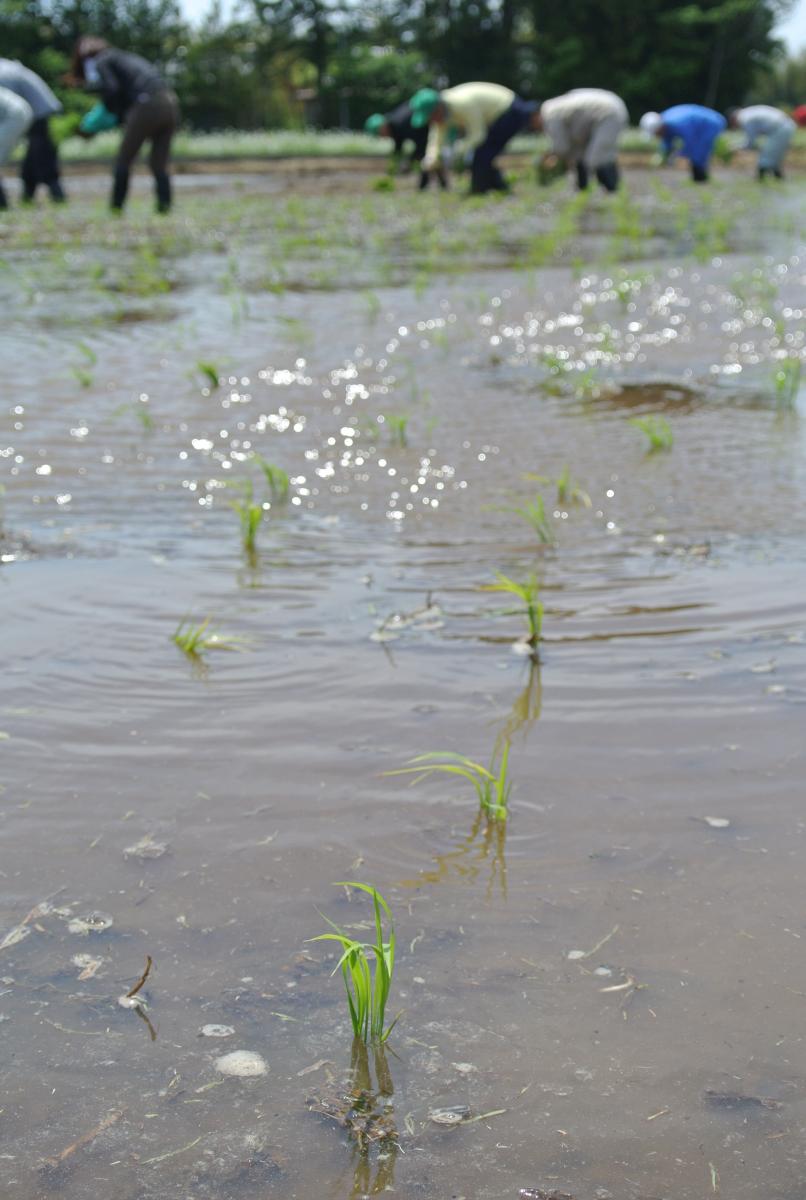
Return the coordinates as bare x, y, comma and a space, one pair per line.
767, 130
16, 116
584, 126
485, 115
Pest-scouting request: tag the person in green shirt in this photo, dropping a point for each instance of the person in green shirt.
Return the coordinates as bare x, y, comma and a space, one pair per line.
485, 115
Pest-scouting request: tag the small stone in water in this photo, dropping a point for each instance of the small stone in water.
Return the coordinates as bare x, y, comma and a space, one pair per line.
464, 1068
95, 922
216, 1031
717, 822
244, 1064
608, 971
573, 955
134, 1002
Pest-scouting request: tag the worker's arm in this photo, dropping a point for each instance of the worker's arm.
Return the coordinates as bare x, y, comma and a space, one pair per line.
433, 150
558, 132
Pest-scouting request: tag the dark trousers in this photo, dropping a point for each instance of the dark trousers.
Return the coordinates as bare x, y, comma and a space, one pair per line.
699, 173
608, 176
485, 175
41, 162
155, 119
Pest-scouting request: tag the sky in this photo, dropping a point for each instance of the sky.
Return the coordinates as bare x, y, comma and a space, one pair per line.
793, 30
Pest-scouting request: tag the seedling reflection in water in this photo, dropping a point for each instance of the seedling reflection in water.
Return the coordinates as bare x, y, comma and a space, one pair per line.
529, 592
657, 430
367, 991
491, 783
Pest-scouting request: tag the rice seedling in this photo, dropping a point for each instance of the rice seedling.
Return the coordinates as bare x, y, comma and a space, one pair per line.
396, 425
250, 514
567, 490
195, 640
276, 478
787, 382
367, 989
527, 591
81, 371
210, 372
534, 513
492, 784
657, 430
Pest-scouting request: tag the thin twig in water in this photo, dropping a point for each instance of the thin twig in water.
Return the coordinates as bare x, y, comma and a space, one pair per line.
150, 1162
141, 980
496, 1112
110, 1119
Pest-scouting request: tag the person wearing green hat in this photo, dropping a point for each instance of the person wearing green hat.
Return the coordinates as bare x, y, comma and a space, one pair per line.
397, 125
487, 115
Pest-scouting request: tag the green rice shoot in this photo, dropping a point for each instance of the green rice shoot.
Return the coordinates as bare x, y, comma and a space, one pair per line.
195, 640
491, 784
277, 480
367, 989
250, 514
657, 430
787, 382
528, 592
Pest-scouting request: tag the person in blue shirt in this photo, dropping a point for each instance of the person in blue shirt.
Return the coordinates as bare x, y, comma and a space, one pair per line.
687, 129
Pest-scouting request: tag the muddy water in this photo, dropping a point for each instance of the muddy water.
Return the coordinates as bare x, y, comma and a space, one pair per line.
616, 978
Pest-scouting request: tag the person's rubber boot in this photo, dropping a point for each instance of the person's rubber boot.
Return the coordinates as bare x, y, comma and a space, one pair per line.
699, 174
762, 174
497, 181
608, 176
3, 198
777, 172
424, 181
162, 184
120, 189
582, 177
57, 192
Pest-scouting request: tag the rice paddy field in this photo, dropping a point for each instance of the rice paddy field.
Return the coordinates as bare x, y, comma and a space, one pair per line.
314, 477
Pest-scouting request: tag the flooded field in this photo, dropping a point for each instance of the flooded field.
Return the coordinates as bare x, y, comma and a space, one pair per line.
608, 990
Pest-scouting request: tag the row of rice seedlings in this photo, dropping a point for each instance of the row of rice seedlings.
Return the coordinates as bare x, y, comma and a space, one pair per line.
657, 430
367, 968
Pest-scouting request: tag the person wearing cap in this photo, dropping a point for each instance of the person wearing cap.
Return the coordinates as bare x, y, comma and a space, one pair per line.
687, 129
584, 126
397, 126
16, 116
799, 115
134, 93
41, 162
767, 130
486, 115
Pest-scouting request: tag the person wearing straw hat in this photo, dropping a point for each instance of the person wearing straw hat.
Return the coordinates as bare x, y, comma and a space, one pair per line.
397, 125
767, 130
690, 130
16, 116
584, 126
485, 115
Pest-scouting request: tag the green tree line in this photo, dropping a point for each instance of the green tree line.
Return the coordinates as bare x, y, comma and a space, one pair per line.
332, 62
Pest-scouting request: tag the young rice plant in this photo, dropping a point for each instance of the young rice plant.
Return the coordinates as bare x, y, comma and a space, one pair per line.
491, 783
367, 989
657, 430
528, 591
